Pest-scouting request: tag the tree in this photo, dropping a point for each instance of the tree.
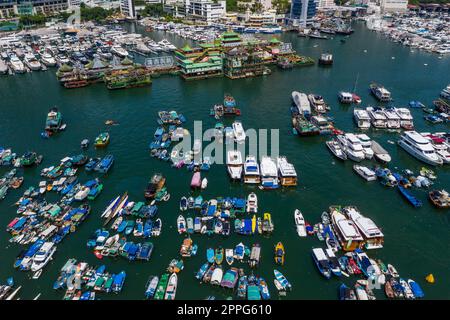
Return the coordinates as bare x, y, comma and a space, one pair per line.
282, 6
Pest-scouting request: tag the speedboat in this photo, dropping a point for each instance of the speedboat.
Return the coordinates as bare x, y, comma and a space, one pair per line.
234, 164
119, 51
322, 262
48, 60
419, 147
300, 223
239, 133
31, 62
252, 203
16, 65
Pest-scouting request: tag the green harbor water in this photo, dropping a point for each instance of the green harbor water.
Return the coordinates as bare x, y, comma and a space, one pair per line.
417, 241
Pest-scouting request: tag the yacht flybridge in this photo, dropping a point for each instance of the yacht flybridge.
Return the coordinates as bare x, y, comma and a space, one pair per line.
419, 147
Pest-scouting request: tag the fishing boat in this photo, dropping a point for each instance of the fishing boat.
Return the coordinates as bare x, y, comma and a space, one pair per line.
105, 164
263, 288
210, 255
230, 278
151, 287
102, 140
54, 120
408, 196
239, 251
171, 289
161, 289
336, 149
416, 289
299, 223
439, 198
279, 253
322, 262
201, 272
242, 287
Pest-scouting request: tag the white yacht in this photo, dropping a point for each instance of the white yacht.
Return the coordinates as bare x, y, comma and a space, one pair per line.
16, 65
119, 51
366, 144
365, 173
393, 119
3, 67
164, 43
251, 170
377, 117
406, 119
380, 92
300, 223
317, 103
252, 203
445, 93
269, 173
419, 147
43, 256
362, 118
301, 102
372, 234
31, 62
48, 60
287, 173
142, 48
351, 145
239, 133
234, 164
439, 145
335, 148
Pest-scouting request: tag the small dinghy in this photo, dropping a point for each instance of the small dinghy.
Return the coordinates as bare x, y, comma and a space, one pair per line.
204, 183
229, 256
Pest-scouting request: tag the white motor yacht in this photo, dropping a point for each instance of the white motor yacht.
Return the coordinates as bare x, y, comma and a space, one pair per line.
269, 173
362, 118
43, 256
239, 133
234, 164
251, 170
351, 145
16, 65
419, 147
366, 144
48, 60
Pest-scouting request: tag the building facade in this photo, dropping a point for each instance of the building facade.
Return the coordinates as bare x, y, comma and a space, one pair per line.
205, 10
325, 4
302, 12
394, 5
9, 8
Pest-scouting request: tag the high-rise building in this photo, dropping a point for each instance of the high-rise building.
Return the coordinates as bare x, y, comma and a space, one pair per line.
127, 9
302, 12
324, 4
393, 5
9, 8
206, 10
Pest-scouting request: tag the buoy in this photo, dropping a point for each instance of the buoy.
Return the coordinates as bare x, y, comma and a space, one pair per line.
430, 278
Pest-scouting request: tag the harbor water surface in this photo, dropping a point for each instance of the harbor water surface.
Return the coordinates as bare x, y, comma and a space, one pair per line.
417, 241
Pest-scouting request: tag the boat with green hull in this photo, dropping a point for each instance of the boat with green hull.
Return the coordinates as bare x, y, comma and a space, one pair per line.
161, 289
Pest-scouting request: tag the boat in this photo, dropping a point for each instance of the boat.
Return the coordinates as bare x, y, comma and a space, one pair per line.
161, 289
345, 97
181, 224
252, 203
216, 277
336, 149
48, 60
439, 198
251, 170
346, 230
171, 289
377, 117
281, 281
419, 147
201, 272
300, 223
287, 172
196, 180
119, 51
367, 145
380, 153
333, 262
406, 119
204, 183
264, 289
54, 120
408, 196
322, 262
183, 204
155, 185
234, 164
16, 64
302, 103
380, 92
230, 278
218, 255
407, 292
229, 256
239, 251
326, 59
269, 173
362, 118
105, 164
43, 256
151, 287
255, 256
365, 172
84, 143
373, 237
351, 145
416, 289
361, 292
102, 140
31, 62
279, 253
239, 133
345, 293
242, 287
